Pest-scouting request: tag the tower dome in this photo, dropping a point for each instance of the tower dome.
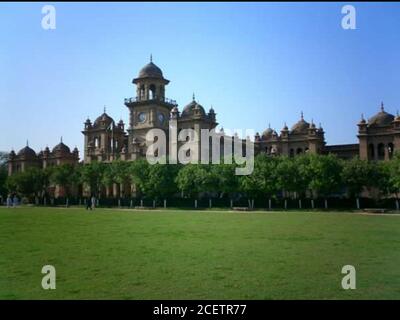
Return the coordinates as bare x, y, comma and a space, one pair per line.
150, 70
104, 120
61, 147
301, 127
381, 119
193, 108
27, 152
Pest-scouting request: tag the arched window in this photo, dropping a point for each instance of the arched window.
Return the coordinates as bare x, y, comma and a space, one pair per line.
152, 92
141, 92
299, 150
371, 151
381, 151
390, 150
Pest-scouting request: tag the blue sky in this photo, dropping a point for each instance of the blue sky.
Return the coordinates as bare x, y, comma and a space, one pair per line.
255, 63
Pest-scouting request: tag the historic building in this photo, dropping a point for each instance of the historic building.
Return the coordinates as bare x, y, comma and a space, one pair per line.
27, 158
149, 109
303, 137
380, 136
105, 140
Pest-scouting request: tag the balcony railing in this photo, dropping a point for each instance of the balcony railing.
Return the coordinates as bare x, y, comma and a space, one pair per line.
138, 99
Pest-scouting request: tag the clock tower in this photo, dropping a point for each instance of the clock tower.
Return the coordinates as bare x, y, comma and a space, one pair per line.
149, 109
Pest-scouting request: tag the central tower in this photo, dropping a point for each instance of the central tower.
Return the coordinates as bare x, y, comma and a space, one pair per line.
149, 109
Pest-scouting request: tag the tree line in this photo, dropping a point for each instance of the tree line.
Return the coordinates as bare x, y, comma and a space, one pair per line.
309, 175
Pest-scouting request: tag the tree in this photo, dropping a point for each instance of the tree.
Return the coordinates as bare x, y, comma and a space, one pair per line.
262, 181
356, 175
138, 172
392, 174
122, 176
33, 182
193, 179
92, 174
3, 174
227, 180
288, 174
324, 174
160, 181
65, 176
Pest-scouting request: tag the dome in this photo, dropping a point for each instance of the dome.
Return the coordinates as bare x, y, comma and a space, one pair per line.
381, 119
61, 147
150, 70
192, 108
301, 127
27, 152
103, 120
268, 132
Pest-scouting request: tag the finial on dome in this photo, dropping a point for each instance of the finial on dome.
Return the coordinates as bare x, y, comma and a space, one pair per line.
362, 117
302, 115
27, 142
269, 125
193, 97
151, 57
61, 139
382, 107
104, 109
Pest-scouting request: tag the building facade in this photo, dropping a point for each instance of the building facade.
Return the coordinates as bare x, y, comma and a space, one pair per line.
105, 140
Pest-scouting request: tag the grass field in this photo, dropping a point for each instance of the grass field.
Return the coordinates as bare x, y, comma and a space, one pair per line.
121, 254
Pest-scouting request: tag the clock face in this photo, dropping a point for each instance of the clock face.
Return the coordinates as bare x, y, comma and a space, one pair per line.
142, 117
161, 118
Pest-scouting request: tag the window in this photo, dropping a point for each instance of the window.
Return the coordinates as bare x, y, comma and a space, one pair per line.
390, 150
152, 92
371, 151
381, 151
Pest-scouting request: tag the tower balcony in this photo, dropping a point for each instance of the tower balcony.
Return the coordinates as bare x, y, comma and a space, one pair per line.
131, 102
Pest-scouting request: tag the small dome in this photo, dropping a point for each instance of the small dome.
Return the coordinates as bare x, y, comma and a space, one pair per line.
150, 70
192, 108
381, 119
27, 152
61, 147
301, 127
103, 120
268, 132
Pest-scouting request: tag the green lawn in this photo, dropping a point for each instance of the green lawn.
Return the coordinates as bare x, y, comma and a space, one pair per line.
121, 254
